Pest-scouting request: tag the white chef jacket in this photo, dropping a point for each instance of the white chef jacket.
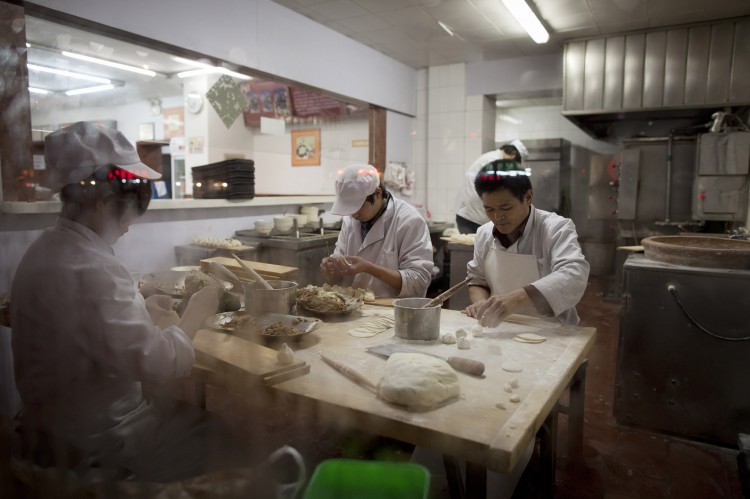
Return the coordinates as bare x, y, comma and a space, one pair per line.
553, 240
398, 240
82, 338
468, 203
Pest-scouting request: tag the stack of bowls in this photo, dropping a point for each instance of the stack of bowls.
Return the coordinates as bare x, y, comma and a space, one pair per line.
301, 219
263, 226
311, 212
283, 223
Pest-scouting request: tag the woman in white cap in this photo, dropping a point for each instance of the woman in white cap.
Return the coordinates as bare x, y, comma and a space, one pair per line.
469, 210
84, 338
384, 244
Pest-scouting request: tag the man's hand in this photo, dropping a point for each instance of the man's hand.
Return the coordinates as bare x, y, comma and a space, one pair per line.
159, 307
492, 311
337, 265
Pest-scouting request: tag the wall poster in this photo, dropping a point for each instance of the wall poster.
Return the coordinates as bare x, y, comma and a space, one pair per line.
306, 147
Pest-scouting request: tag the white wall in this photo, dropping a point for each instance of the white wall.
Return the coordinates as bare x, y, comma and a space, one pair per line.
262, 35
518, 75
546, 122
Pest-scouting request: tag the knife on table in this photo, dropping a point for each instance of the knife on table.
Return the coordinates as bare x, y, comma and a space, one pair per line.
462, 364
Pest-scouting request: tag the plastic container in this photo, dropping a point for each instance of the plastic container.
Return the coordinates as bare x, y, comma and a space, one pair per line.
349, 478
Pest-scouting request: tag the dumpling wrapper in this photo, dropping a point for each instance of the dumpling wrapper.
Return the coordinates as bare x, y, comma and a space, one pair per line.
418, 381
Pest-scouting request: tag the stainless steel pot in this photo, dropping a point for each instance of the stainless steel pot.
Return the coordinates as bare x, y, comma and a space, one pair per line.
414, 322
281, 299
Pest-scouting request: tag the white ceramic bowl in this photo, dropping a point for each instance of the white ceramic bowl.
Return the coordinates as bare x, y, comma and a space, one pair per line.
301, 219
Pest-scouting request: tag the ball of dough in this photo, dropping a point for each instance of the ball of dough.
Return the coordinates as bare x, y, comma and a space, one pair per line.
448, 338
461, 333
477, 331
417, 380
285, 355
463, 343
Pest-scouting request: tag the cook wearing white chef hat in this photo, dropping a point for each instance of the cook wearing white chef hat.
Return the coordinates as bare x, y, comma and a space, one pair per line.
84, 339
384, 244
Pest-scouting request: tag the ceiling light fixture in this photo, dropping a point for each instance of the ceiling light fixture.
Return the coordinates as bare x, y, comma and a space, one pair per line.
445, 27
35, 90
213, 70
71, 74
110, 64
527, 19
190, 62
88, 90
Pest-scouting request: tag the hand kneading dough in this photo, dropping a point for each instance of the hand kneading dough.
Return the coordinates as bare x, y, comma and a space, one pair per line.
417, 380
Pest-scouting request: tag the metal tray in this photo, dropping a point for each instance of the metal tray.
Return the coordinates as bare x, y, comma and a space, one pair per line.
352, 304
245, 325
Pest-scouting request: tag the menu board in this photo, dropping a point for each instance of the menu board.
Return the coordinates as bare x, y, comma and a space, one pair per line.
306, 103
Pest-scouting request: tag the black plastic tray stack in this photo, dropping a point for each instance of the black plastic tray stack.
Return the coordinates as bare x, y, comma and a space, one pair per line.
237, 174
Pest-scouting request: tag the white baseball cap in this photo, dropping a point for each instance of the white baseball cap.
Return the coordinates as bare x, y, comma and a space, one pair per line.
73, 153
353, 185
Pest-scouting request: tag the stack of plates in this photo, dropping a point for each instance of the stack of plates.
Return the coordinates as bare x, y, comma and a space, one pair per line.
229, 179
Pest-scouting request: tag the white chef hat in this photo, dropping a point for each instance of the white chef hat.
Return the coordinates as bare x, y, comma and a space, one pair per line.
521, 148
353, 185
73, 153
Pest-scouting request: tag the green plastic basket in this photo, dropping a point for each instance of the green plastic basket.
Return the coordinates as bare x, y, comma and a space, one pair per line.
355, 479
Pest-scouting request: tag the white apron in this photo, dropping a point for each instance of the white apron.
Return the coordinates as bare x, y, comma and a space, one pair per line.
507, 271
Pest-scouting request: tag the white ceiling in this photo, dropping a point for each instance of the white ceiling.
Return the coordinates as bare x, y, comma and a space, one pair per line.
408, 30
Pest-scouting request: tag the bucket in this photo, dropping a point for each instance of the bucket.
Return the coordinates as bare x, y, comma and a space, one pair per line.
368, 480
415, 323
281, 299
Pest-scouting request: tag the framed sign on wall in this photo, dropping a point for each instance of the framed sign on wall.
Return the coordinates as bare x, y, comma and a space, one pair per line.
306, 147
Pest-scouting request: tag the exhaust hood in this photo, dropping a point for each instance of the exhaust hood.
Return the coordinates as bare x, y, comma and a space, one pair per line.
678, 73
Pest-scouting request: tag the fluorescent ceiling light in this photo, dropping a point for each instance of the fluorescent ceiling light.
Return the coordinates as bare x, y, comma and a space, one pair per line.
35, 90
509, 119
70, 74
190, 62
446, 28
212, 70
526, 18
110, 64
88, 90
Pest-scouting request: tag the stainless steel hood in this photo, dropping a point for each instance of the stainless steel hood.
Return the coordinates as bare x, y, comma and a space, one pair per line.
678, 73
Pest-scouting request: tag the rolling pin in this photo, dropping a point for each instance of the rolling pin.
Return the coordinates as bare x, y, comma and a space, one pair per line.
349, 372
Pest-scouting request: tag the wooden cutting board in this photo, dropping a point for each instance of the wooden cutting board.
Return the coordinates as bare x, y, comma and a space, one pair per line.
242, 360
266, 270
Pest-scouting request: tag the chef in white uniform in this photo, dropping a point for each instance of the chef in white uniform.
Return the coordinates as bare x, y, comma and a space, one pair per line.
526, 260
384, 244
470, 213
84, 338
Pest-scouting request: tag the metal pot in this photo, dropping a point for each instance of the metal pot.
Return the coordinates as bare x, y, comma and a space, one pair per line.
281, 299
414, 322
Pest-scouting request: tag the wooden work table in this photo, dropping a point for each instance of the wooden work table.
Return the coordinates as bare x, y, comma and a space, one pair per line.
474, 426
